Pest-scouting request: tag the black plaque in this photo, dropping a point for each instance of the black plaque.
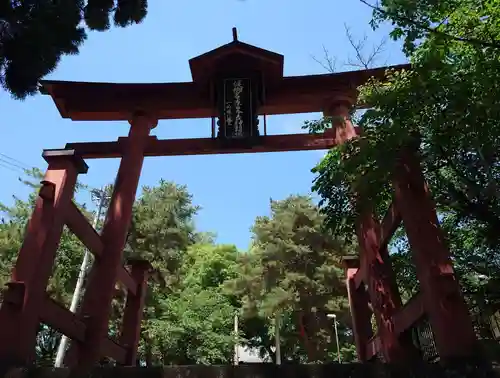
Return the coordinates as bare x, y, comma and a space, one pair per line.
237, 112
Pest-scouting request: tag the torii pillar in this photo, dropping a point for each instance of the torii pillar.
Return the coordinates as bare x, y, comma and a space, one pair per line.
96, 304
26, 296
358, 305
384, 296
443, 301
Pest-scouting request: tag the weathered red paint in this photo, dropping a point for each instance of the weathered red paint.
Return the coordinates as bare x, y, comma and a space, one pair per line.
411, 312
443, 301
384, 295
377, 270
96, 304
342, 128
61, 319
207, 146
284, 95
132, 317
360, 311
390, 223
25, 296
82, 229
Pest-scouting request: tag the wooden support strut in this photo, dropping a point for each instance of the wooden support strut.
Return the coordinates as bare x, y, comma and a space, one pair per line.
390, 223
96, 304
25, 298
132, 317
440, 297
384, 296
379, 277
439, 287
407, 315
81, 227
358, 304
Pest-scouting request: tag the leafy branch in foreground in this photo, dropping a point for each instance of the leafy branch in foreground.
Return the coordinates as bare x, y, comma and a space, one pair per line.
469, 22
33, 39
450, 101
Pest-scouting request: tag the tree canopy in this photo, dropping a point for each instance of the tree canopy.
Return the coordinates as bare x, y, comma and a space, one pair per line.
292, 269
293, 272
446, 104
35, 35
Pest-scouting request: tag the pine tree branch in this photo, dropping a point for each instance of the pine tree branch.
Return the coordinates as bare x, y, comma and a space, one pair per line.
472, 41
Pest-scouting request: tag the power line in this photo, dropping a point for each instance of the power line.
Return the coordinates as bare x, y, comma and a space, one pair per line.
10, 168
4, 161
14, 164
18, 166
12, 161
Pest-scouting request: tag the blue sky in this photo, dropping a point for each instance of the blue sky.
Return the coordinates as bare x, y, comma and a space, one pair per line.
158, 50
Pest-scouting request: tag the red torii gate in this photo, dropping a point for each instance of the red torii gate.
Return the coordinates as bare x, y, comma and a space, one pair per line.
258, 74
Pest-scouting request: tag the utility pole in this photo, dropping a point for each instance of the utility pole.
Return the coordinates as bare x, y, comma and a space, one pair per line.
236, 344
61, 351
337, 338
334, 317
277, 340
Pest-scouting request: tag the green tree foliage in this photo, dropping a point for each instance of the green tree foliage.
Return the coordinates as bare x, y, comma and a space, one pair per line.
293, 271
162, 230
448, 105
34, 35
198, 286
194, 323
162, 227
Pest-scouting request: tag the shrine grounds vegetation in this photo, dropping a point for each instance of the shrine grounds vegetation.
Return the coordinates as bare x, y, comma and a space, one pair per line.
292, 268
448, 105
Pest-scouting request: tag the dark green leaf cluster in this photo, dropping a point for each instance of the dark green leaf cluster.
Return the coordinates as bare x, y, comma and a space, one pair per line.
162, 226
448, 104
471, 22
193, 323
34, 35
